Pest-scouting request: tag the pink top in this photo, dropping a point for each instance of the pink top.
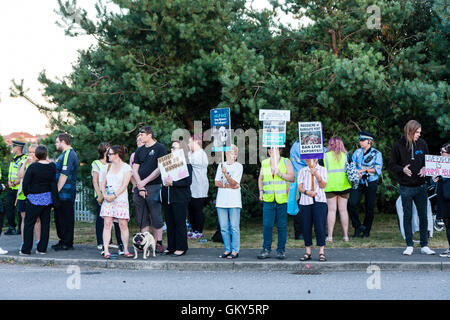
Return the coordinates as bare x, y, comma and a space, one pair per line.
304, 177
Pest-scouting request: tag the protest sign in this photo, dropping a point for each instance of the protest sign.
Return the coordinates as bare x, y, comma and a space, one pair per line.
311, 140
173, 165
274, 127
221, 129
437, 166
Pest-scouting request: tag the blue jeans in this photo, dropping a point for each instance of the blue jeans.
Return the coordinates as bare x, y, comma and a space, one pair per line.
229, 227
272, 211
419, 196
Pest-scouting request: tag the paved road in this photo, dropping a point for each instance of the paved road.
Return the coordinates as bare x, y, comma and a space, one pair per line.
55, 283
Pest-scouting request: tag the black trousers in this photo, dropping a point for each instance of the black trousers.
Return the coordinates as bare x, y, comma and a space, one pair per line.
298, 225
447, 229
65, 222
31, 214
11, 210
370, 193
314, 214
196, 215
175, 214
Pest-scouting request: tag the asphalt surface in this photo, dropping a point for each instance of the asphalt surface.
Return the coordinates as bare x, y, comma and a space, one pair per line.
207, 259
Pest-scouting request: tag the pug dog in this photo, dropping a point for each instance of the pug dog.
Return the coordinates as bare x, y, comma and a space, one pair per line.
144, 241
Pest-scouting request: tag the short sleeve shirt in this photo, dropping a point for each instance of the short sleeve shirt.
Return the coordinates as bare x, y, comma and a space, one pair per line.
147, 159
304, 177
68, 168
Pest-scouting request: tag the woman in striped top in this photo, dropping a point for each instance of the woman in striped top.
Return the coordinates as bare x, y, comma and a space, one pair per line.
312, 181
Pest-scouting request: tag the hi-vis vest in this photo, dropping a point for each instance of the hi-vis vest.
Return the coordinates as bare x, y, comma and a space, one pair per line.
337, 177
99, 165
274, 188
14, 166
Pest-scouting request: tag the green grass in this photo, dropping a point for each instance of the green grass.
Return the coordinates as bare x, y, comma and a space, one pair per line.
385, 234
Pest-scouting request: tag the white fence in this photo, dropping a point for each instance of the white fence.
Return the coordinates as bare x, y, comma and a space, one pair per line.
82, 211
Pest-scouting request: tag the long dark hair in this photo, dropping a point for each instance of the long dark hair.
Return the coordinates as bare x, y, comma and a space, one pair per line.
102, 148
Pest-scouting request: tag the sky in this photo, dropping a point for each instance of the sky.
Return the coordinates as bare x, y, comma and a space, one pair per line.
32, 42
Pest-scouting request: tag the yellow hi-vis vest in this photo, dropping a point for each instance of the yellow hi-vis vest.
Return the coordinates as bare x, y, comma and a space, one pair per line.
274, 187
14, 166
337, 177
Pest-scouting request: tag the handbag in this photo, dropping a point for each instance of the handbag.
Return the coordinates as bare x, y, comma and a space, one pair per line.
352, 174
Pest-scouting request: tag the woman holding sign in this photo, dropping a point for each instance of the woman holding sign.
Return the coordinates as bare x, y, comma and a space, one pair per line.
228, 202
312, 181
175, 200
443, 199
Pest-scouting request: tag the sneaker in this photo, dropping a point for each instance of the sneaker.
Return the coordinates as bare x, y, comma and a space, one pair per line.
3, 251
408, 251
113, 246
426, 250
24, 254
121, 250
264, 254
11, 232
444, 254
103, 251
39, 252
100, 247
281, 255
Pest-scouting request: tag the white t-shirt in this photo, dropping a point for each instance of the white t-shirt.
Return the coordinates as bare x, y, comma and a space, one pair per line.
229, 198
115, 181
200, 183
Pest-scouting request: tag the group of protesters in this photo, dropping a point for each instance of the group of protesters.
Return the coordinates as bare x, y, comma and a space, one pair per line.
310, 190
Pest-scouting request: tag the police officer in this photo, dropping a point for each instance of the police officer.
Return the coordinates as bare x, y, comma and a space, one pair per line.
2, 187
13, 184
369, 162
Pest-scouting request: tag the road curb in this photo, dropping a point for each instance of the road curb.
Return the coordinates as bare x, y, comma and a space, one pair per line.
291, 266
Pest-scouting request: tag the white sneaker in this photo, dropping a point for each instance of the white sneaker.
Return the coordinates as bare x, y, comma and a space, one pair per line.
427, 250
3, 251
100, 247
446, 253
408, 251
39, 252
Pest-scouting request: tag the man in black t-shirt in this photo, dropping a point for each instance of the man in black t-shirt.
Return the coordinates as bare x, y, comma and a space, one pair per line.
146, 195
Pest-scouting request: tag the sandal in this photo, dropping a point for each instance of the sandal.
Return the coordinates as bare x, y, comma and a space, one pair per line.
233, 256
306, 257
107, 256
224, 255
322, 257
128, 255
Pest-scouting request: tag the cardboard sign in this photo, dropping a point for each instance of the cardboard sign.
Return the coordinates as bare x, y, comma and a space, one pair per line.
437, 166
311, 140
221, 129
173, 165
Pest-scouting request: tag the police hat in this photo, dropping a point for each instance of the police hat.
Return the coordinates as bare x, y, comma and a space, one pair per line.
16, 143
364, 135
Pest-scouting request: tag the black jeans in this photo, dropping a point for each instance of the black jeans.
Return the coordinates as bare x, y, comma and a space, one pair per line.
99, 223
32, 213
65, 222
175, 214
420, 197
11, 210
370, 193
196, 215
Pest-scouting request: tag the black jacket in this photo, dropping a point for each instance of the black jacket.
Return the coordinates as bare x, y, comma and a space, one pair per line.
415, 157
180, 191
443, 198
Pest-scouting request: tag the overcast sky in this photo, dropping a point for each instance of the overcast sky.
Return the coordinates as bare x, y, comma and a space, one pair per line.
32, 42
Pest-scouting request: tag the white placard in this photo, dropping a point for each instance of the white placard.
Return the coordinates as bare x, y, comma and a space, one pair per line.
274, 115
173, 165
437, 166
